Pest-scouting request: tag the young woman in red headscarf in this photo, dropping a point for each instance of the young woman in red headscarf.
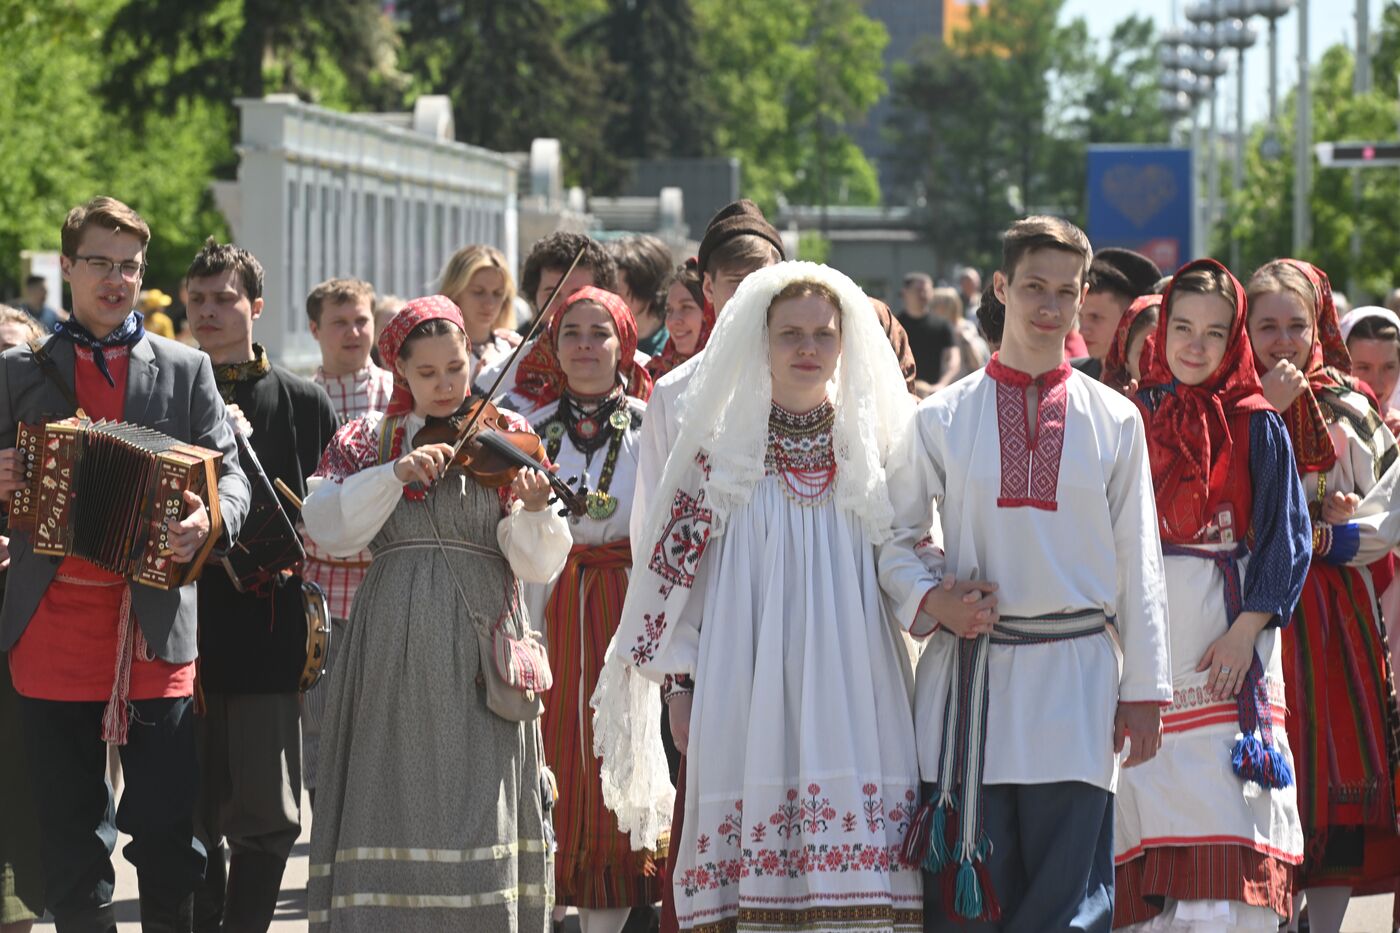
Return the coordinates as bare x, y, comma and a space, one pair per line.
590, 421
1341, 695
431, 810
689, 320
1123, 366
1207, 833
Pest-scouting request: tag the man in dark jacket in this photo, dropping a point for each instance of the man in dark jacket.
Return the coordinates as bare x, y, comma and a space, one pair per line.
249, 737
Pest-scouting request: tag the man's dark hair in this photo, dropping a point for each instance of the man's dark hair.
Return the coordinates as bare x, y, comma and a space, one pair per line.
35, 280
1042, 231
991, 315
556, 251
918, 278
216, 258
105, 212
647, 263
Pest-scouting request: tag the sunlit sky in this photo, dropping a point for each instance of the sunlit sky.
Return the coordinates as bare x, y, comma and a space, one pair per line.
1330, 22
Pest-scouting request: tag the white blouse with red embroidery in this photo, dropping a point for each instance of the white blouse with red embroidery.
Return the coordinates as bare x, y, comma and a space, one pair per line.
1044, 488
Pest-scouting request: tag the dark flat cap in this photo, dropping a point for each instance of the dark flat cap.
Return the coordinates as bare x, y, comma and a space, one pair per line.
1124, 271
737, 219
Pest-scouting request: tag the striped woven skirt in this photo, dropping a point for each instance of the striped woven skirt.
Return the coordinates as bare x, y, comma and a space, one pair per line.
1342, 723
595, 865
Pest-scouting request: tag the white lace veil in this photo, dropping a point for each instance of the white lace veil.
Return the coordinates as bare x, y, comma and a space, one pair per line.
724, 412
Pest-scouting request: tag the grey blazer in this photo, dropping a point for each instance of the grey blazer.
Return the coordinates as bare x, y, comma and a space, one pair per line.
169, 387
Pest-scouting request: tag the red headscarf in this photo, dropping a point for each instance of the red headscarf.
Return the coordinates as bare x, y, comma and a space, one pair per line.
396, 332
1328, 365
544, 381
1115, 364
1198, 436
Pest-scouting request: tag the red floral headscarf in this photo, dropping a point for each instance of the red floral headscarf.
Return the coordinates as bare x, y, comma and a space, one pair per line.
1197, 443
543, 381
396, 332
1115, 365
1329, 363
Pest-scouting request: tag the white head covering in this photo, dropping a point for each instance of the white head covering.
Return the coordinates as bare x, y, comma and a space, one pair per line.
711, 473
724, 410
1356, 315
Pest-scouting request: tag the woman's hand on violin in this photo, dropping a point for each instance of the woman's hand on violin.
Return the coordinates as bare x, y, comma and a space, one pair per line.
423, 464
532, 488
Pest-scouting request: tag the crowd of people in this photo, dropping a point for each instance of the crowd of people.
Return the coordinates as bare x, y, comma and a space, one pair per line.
718, 596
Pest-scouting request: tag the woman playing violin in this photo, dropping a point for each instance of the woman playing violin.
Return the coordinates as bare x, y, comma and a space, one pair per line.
590, 424
431, 813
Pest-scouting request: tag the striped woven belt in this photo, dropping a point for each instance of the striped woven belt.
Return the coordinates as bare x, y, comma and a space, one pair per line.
414, 544
963, 756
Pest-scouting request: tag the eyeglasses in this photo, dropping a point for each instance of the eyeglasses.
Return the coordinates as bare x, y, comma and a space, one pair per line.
102, 267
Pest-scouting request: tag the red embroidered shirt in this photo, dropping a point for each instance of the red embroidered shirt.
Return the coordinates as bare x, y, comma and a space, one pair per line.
1030, 446
69, 649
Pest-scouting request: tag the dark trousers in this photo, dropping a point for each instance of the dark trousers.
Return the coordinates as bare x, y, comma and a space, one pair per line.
1051, 864
77, 822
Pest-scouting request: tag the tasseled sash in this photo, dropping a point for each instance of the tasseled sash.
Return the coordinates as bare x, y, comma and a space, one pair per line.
962, 861
1255, 757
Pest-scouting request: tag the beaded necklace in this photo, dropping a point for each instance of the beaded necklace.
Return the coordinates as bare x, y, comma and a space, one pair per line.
589, 431
800, 453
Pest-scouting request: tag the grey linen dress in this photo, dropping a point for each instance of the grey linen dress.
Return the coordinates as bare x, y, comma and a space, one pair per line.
428, 810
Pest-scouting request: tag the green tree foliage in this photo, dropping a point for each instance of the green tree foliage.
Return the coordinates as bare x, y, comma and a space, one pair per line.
996, 123
160, 53
656, 80
1261, 214
785, 79
511, 77
62, 144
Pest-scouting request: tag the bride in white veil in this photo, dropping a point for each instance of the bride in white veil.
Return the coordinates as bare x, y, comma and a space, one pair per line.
756, 578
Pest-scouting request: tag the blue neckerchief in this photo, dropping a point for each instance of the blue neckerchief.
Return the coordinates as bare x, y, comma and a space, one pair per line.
126, 334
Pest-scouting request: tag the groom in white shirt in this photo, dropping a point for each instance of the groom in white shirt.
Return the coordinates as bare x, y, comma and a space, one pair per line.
1045, 613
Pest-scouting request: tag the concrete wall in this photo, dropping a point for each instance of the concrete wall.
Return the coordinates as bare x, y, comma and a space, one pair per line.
322, 193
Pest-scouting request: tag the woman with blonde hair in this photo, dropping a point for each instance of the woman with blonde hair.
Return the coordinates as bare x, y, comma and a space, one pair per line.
972, 349
478, 280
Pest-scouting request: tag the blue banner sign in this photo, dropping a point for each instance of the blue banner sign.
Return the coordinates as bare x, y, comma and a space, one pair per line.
1140, 198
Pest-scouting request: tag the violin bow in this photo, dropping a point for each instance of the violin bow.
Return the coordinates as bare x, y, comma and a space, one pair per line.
530, 334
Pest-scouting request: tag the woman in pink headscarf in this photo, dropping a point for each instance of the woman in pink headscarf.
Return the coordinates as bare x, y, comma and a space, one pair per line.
431, 811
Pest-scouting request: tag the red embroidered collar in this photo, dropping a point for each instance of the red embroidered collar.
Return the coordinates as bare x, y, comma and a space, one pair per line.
1004, 374
1030, 475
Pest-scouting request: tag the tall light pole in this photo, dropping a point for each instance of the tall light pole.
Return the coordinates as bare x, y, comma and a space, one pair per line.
1239, 36
1302, 142
1272, 11
1361, 84
1206, 39
1183, 89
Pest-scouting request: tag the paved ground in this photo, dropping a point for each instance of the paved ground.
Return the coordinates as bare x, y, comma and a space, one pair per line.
1367, 915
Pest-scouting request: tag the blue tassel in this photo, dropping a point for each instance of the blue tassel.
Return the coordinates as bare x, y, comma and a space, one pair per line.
1279, 769
1264, 765
939, 855
1248, 759
968, 901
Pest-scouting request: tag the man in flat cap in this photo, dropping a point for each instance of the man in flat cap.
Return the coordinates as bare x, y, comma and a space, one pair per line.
1117, 277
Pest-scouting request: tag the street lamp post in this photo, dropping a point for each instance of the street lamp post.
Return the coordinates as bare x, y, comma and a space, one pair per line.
1182, 90
1207, 39
1238, 35
1302, 142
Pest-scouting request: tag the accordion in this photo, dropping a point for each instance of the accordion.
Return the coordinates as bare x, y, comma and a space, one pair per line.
104, 491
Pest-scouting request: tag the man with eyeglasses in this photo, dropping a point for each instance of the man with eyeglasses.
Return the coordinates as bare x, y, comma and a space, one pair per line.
69, 626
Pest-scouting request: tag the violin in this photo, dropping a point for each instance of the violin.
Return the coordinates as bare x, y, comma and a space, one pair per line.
482, 442
491, 452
